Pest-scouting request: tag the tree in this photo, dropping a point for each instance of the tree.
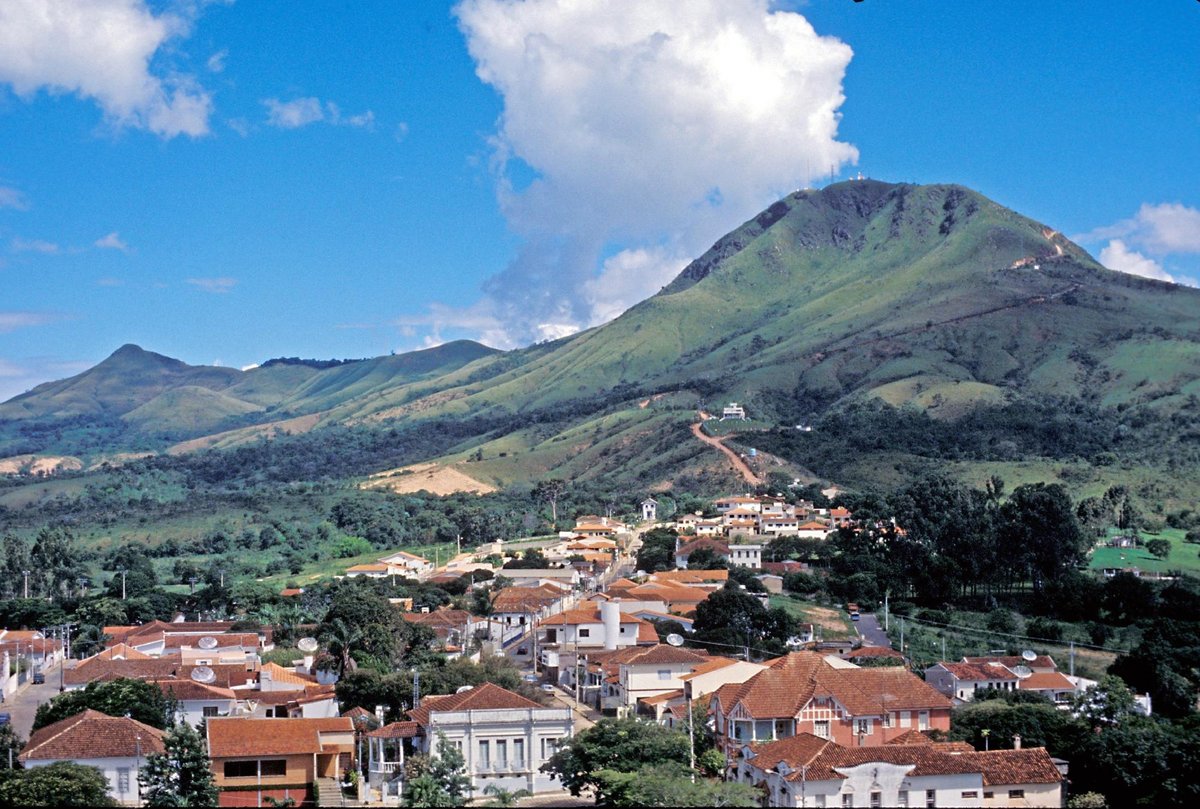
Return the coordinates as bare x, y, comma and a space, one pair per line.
548, 491
371, 629
657, 551
1039, 526
1106, 703
442, 781
504, 797
181, 776
670, 785
1159, 547
10, 745
620, 745
121, 697
734, 617
706, 559
63, 783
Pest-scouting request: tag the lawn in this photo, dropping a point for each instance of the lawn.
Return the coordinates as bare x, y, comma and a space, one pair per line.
1184, 556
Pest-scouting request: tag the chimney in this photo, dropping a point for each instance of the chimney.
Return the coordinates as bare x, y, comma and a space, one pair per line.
1016, 741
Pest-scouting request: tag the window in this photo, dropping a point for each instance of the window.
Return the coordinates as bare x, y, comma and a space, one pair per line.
209, 710
122, 779
887, 720
485, 754
902, 798
273, 766
664, 674
987, 796
502, 754
518, 756
847, 800
1016, 793
821, 728
971, 793
820, 802
923, 720
906, 719
876, 800
585, 633
548, 747
930, 798
865, 727
241, 769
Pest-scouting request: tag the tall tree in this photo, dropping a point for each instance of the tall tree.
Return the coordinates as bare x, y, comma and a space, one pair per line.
442, 781
63, 783
621, 745
180, 776
548, 491
122, 697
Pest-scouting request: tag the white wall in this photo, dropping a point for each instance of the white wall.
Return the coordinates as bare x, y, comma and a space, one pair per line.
110, 767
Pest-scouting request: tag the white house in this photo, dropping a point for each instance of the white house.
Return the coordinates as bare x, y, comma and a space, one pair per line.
117, 746
504, 738
195, 702
649, 510
409, 565
806, 770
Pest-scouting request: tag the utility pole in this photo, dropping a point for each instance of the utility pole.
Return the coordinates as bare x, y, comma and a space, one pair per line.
885, 609
25, 573
687, 690
122, 584
1072, 658
901, 634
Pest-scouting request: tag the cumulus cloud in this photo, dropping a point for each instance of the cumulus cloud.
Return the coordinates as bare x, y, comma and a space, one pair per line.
1117, 256
112, 242
1143, 243
12, 198
102, 50
217, 286
216, 62
304, 111
646, 128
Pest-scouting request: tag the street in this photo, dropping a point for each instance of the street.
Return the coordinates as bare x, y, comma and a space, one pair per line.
23, 705
871, 631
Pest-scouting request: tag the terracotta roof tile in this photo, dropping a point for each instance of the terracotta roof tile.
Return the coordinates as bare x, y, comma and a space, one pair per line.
190, 689
396, 730
978, 671
1039, 662
1050, 680
155, 668
242, 737
92, 734
488, 696
1030, 765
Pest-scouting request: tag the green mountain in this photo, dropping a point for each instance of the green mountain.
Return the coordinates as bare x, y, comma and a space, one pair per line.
927, 297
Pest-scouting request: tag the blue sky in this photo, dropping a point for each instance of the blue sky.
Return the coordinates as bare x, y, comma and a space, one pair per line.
226, 182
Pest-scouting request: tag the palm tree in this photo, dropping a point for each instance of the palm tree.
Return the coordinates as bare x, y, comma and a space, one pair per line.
341, 640
503, 797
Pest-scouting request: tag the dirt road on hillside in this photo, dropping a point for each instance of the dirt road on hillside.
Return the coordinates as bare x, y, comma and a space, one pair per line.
738, 463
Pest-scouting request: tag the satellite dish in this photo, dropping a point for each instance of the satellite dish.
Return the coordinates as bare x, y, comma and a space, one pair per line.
675, 639
207, 642
307, 645
251, 705
1022, 671
203, 674
1029, 655
463, 688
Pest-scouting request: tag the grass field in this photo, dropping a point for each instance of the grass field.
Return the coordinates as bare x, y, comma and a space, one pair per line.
831, 624
1184, 556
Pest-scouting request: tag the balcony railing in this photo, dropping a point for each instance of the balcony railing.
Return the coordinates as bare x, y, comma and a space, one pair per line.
512, 765
387, 766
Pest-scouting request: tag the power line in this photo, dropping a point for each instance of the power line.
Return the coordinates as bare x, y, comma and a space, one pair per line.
1024, 637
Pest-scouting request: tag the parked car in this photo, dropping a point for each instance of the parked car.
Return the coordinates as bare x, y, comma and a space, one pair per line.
548, 688
854, 616
39, 678
5, 718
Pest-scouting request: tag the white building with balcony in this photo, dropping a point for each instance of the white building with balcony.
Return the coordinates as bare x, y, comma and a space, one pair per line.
504, 737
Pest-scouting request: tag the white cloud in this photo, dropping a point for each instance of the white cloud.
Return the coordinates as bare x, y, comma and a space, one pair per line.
216, 62
1161, 229
112, 242
19, 376
295, 113
20, 245
215, 285
102, 50
11, 321
647, 126
1117, 256
304, 111
12, 198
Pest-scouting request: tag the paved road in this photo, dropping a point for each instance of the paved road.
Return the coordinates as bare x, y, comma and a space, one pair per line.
24, 704
871, 631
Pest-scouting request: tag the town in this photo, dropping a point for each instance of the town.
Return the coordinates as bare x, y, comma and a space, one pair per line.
501, 674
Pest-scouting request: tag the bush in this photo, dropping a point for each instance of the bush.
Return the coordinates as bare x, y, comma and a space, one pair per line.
1001, 620
1045, 629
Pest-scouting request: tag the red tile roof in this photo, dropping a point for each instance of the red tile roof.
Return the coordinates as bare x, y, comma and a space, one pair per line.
526, 599
791, 681
978, 672
396, 730
157, 668
190, 689
1039, 662
92, 734
1046, 681
242, 737
486, 697
717, 547
1030, 765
